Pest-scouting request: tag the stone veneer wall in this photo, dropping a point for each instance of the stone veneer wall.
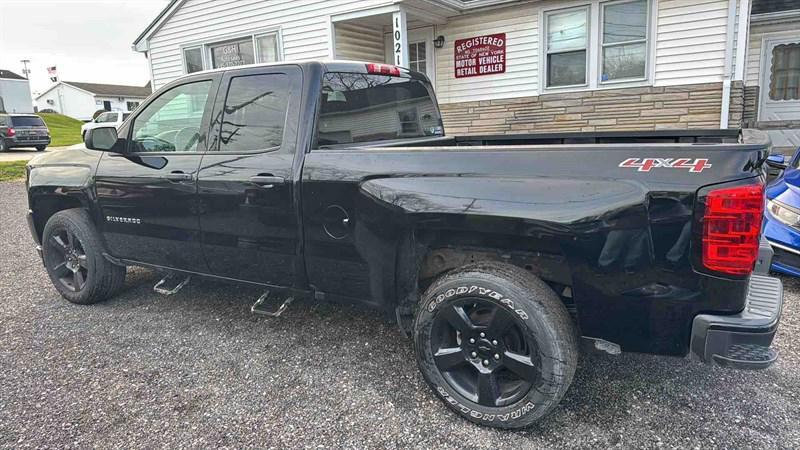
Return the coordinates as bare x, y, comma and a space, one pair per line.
641, 108
750, 114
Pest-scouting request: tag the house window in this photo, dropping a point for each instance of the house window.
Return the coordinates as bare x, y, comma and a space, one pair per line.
255, 48
567, 47
416, 56
132, 105
784, 79
193, 59
234, 53
624, 40
578, 54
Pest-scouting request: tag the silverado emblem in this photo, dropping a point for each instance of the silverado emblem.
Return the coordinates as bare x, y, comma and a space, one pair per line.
123, 220
647, 164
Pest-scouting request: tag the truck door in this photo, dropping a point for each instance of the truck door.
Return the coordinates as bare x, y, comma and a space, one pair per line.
147, 196
248, 216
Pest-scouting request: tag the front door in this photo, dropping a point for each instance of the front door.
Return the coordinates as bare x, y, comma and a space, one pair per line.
780, 88
420, 51
147, 196
248, 219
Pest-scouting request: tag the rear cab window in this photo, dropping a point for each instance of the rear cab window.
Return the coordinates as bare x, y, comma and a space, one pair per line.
361, 107
27, 121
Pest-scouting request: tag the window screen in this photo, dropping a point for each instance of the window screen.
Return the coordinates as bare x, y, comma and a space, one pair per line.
567, 40
624, 40
194, 59
254, 113
784, 80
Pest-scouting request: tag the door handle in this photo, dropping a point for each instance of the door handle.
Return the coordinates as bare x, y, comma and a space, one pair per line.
177, 175
266, 181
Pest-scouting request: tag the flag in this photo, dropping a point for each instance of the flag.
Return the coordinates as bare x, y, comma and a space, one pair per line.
52, 72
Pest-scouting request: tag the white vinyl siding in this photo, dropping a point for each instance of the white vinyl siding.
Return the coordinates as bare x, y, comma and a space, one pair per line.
757, 33
359, 42
303, 24
690, 43
521, 25
686, 43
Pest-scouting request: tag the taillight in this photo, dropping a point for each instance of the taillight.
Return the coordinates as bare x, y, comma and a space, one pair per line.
732, 228
383, 69
11, 132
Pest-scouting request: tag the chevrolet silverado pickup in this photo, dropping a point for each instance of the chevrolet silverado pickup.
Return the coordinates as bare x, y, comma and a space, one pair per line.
498, 255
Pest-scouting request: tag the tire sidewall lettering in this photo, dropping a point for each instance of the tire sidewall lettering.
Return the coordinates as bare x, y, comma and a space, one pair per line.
485, 417
481, 292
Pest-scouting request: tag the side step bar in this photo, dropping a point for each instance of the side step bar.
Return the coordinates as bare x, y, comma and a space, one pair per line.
259, 306
169, 285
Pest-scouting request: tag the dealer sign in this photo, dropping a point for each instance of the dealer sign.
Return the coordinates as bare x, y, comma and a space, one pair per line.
482, 55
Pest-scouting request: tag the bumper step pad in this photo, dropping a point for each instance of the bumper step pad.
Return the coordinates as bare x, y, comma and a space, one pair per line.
742, 341
747, 356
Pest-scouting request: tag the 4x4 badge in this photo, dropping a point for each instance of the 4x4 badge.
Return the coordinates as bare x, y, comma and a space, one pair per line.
648, 164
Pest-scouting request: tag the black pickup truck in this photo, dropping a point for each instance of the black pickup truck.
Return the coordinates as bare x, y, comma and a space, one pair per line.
336, 182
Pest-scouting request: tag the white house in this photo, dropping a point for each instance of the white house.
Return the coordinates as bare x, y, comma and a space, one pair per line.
82, 100
772, 79
499, 66
15, 93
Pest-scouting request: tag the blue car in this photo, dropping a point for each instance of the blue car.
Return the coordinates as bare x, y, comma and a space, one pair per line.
782, 214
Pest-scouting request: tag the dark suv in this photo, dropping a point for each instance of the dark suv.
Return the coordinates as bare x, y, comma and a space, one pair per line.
23, 130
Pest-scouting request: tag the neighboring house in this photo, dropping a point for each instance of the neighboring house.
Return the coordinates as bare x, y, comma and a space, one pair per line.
15, 93
772, 83
82, 100
544, 66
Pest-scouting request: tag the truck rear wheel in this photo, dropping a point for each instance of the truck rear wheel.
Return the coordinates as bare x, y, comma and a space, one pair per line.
73, 257
496, 344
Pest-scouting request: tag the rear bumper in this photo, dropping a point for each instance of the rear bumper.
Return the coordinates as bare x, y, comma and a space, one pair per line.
19, 142
742, 341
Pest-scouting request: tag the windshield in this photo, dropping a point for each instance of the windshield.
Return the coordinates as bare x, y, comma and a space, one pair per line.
27, 121
359, 107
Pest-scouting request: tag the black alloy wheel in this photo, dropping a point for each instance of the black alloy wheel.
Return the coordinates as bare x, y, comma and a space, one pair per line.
495, 343
68, 262
482, 352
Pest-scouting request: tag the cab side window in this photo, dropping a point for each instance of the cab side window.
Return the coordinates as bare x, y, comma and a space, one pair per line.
173, 121
254, 113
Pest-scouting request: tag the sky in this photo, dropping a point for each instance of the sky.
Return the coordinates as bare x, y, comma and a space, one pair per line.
87, 40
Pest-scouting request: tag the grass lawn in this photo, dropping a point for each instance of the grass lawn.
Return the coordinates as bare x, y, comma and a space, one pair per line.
14, 170
63, 130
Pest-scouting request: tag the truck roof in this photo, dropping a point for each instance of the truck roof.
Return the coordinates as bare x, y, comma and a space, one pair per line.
333, 65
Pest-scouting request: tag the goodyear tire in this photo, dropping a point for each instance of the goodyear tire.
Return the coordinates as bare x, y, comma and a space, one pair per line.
496, 344
73, 256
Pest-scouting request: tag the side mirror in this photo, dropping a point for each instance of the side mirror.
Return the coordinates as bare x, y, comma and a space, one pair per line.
777, 161
104, 139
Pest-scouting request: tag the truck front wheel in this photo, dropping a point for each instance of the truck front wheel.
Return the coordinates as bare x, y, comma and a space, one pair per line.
496, 344
73, 257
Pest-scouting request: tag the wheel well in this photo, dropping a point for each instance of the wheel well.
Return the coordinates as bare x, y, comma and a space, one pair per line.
440, 252
44, 208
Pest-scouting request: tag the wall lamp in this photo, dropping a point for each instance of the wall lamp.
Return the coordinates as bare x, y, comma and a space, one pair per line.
438, 42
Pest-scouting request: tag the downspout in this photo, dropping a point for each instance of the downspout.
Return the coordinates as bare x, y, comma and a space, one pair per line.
742, 39
727, 67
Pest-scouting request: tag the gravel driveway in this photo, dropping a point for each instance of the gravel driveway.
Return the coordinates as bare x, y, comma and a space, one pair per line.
197, 370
